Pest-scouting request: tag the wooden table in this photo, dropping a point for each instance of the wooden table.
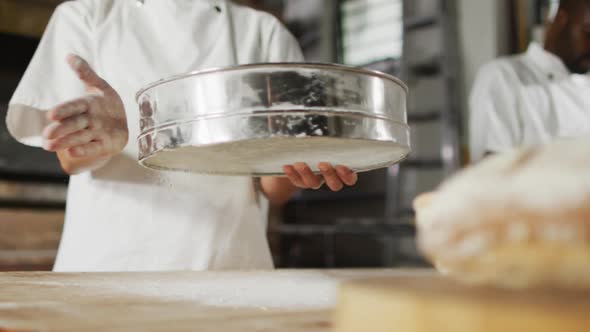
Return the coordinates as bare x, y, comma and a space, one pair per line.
26, 18
283, 300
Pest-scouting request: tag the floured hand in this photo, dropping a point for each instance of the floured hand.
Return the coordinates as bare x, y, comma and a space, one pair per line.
94, 126
301, 176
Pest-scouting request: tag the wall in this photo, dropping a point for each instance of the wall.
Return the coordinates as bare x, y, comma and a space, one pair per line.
484, 35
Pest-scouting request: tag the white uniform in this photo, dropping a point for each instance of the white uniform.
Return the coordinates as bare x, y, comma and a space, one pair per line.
527, 100
123, 217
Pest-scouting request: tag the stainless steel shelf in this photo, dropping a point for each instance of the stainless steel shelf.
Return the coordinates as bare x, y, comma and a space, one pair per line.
428, 68
419, 22
423, 163
424, 116
366, 229
326, 196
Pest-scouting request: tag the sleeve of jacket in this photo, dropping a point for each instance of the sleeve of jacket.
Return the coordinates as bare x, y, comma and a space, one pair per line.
494, 124
48, 80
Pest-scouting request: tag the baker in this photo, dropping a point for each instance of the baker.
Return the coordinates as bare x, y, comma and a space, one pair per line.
119, 216
536, 97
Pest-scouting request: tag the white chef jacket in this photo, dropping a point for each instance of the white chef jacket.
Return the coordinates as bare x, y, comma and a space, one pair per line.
123, 217
527, 100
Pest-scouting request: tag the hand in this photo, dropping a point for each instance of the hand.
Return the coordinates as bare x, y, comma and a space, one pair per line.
302, 176
422, 202
94, 126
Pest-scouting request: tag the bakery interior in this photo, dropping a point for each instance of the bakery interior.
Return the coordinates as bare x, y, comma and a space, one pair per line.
318, 238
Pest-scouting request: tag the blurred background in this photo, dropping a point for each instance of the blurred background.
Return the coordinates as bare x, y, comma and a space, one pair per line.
435, 46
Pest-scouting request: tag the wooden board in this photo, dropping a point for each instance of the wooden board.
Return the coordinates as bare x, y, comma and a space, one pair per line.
427, 304
175, 301
29, 238
24, 229
26, 18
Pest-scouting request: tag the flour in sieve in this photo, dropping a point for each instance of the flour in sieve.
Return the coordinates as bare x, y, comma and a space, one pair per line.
268, 156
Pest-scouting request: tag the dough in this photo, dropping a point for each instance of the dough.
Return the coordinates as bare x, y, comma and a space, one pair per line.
519, 219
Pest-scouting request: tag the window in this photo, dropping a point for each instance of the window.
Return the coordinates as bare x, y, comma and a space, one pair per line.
372, 31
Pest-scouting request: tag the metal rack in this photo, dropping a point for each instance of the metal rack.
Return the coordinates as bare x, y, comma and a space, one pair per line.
368, 222
385, 215
441, 63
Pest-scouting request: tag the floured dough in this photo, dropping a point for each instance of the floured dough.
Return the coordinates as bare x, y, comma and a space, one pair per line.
517, 219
